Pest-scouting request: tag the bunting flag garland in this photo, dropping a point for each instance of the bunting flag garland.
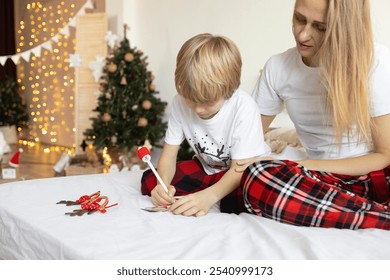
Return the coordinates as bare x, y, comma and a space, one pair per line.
3, 59
46, 45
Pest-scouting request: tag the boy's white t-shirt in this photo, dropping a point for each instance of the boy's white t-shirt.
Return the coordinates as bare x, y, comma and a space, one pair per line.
235, 132
287, 80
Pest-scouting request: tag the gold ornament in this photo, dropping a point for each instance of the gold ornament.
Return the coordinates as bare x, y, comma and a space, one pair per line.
106, 117
129, 57
146, 104
152, 87
142, 122
123, 81
102, 81
102, 88
112, 67
152, 77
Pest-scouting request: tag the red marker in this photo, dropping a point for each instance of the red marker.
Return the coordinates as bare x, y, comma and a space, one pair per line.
144, 155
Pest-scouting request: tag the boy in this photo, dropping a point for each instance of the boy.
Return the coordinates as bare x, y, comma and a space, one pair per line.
220, 122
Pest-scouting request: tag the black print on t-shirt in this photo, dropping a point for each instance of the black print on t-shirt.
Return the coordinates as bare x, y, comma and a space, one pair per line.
215, 155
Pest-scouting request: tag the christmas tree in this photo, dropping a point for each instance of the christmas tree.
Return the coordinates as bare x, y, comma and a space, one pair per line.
128, 112
13, 110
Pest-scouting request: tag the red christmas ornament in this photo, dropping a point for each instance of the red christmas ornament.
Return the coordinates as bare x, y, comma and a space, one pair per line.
14, 161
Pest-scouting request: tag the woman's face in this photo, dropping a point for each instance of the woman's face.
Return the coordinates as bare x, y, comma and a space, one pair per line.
309, 26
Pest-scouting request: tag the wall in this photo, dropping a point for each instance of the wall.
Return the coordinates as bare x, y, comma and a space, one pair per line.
115, 11
260, 28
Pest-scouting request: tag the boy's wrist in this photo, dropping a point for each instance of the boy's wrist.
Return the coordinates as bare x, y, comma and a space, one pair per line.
212, 195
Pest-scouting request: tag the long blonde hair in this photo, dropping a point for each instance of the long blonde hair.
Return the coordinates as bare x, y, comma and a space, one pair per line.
345, 60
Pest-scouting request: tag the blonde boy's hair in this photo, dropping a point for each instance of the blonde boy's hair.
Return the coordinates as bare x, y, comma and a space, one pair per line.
346, 59
208, 68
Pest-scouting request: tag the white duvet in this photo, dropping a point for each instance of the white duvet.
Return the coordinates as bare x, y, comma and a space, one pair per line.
33, 226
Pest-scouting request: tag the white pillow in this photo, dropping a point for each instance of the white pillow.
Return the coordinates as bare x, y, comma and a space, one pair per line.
9, 133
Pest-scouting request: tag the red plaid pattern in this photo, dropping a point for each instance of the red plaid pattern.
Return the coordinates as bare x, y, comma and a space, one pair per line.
287, 192
189, 178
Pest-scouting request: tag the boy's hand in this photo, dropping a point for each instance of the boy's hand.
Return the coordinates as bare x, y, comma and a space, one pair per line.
196, 204
159, 196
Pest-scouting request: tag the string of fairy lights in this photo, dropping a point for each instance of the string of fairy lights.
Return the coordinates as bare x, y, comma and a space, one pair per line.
47, 82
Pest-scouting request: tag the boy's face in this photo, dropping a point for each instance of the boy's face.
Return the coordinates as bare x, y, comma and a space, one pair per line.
205, 111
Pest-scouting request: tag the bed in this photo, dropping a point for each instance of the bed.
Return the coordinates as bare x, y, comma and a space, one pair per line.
34, 227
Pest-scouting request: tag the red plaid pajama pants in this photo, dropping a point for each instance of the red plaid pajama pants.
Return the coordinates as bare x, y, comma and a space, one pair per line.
190, 178
287, 192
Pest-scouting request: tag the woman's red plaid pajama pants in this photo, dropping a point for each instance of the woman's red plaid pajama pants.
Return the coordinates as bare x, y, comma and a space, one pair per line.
190, 178
285, 191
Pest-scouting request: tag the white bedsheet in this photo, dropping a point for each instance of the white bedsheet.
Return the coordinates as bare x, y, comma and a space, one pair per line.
33, 226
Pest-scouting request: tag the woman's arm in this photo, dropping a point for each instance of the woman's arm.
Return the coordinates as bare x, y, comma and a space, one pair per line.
199, 203
362, 165
266, 122
242, 164
378, 159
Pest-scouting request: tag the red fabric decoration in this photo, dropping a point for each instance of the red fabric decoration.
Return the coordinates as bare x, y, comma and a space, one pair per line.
89, 204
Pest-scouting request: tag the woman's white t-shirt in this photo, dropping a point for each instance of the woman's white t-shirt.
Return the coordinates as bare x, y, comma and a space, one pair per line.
287, 80
235, 132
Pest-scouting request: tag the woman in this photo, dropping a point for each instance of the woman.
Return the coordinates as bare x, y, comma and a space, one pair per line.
335, 85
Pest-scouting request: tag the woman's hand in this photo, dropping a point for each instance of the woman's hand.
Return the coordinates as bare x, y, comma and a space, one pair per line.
160, 197
243, 164
196, 204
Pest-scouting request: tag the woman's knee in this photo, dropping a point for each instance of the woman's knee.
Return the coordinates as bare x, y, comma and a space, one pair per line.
257, 181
